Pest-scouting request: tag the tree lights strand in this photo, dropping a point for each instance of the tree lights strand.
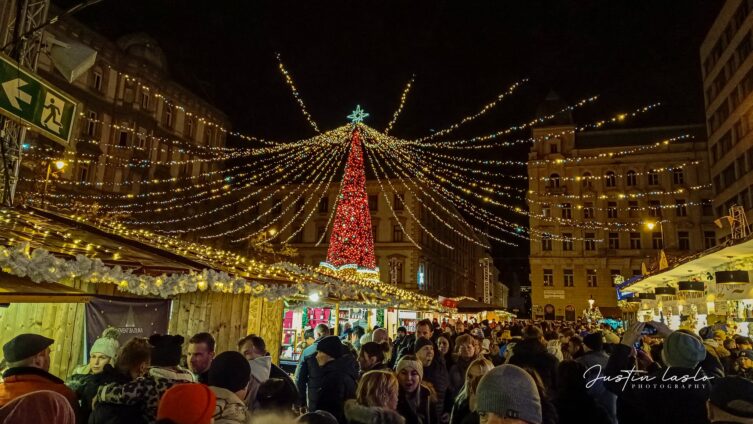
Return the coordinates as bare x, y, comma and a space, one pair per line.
489, 106
296, 94
403, 97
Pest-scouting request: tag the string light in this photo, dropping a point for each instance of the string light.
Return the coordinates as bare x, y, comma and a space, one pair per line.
403, 97
296, 94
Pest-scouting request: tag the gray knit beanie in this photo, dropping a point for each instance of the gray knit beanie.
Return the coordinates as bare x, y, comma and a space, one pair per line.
509, 392
682, 350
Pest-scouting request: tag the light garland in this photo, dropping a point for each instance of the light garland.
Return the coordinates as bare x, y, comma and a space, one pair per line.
659, 170
296, 94
403, 98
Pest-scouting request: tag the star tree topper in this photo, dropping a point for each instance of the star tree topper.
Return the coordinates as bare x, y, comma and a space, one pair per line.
357, 115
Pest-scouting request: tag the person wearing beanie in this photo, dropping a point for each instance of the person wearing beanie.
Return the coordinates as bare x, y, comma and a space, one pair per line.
164, 373
228, 379
436, 374
416, 402
659, 403
731, 401
87, 379
595, 359
187, 404
332, 378
508, 392
744, 364
532, 352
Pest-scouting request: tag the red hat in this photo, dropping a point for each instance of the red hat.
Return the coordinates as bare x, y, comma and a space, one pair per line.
188, 403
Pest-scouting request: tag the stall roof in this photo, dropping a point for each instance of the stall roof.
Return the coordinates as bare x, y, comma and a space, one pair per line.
15, 289
471, 305
700, 263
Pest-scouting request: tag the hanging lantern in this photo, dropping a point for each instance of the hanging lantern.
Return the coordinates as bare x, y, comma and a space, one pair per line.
665, 293
732, 277
690, 289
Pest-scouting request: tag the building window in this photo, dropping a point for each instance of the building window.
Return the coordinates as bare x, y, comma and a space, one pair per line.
587, 180
397, 233
588, 210
610, 179
611, 209
683, 240
91, 123
189, 127
706, 208
633, 209
546, 211
568, 278
654, 208
298, 236
548, 278
614, 240
613, 274
83, 173
632, 179
123, 139
209, 136
546, 242
374, 231
168, 114
567, 211
140, 140
681, 208
656, 240
591, 277
653, 177
554, 147
709, 239
590, 242
399, 202
567, 242
396, 271
678, 177
554, 181
97, 82
635, 240
324, 205
373, 202
145, 100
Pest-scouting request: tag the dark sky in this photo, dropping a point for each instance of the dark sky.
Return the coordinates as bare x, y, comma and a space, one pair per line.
344, 52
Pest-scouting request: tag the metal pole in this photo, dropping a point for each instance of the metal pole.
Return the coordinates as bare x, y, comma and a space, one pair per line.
46, 180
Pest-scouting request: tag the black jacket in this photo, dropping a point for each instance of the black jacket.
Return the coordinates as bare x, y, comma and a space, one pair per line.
331, 385
457, 374
436, 374
461, 413
655, 402
580, 408
107, 413
531, 353
423, 413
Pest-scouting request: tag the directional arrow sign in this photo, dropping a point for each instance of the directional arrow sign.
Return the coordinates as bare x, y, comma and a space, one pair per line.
27, 98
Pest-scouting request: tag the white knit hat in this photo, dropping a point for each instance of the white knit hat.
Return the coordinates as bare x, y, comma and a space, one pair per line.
107, 344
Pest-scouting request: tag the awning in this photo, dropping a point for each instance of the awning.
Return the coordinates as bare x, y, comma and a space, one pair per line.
474, 306
15, 289
611, 312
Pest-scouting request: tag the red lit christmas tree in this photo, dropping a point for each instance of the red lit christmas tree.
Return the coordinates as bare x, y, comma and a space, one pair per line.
352, 243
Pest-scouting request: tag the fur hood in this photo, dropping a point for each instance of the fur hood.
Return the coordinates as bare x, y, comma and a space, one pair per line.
359, 414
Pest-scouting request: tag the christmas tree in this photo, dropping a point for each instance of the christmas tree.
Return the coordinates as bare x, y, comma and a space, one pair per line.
351, 244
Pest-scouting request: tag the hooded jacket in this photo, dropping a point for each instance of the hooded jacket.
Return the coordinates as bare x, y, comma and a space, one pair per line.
418, 407
332, 384
230, 408
356, 413
260, 370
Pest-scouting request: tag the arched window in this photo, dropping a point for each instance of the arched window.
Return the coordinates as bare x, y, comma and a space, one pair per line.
610, 179
587, 180
632, 179
653, 177
554, 181
678, 177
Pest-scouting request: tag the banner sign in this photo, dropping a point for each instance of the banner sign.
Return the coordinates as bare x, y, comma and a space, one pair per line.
132, 317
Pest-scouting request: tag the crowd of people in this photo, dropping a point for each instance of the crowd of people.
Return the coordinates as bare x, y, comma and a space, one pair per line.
513, 373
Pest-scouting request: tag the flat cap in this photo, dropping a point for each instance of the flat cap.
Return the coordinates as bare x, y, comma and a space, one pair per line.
24, 346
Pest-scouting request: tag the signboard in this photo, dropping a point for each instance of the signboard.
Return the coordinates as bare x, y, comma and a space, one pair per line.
554, 294
132, 317
27, 98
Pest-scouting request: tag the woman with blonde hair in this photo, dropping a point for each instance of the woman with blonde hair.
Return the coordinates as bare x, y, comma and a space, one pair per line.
376, 399
464, 410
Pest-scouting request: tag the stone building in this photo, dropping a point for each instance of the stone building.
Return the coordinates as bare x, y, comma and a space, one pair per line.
602, 203
727, 67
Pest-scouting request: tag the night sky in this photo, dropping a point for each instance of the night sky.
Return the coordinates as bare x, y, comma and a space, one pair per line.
343, 53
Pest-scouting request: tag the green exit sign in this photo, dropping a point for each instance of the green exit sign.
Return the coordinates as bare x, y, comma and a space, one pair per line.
32, 101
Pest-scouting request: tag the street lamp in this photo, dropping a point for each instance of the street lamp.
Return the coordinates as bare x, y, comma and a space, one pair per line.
652, 225
59, 165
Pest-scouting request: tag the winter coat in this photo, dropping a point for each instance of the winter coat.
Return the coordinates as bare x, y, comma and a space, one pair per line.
637, 402
457, 374
376, 367
86, 385
581, 408
145, 392
260, 369
531, 353
332, 384
419, 408
461, 413
302, 371
436, 374
598, 391
356, 413
230, 408
18, 381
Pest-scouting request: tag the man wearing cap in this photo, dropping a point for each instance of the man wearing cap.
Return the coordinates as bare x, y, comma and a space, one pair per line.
508, 394
28, 359
745, 364
731, 401
676, 392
